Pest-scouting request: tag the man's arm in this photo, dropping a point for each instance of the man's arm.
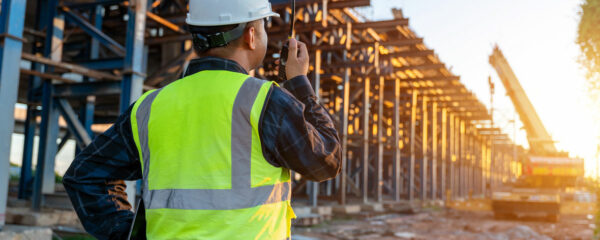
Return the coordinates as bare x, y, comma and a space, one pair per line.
296, 131
94, 181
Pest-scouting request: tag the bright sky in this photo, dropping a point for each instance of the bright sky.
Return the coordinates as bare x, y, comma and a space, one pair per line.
538, 40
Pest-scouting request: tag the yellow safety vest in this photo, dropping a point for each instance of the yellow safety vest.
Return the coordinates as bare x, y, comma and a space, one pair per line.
204, 173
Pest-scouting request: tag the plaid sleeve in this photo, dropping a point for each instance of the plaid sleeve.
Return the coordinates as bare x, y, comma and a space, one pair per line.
95, 185
298, 133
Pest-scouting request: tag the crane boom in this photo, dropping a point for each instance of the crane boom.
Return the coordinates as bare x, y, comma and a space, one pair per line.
540, 141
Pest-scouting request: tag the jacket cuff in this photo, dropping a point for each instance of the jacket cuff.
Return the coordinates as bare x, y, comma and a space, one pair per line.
299, 86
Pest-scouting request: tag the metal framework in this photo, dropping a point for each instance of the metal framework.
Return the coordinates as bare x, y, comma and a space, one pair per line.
409, 128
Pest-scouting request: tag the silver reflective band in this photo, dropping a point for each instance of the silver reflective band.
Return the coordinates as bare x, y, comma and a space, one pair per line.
241, 195
219, 199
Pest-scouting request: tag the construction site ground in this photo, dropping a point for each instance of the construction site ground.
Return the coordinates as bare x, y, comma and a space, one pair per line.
438, 223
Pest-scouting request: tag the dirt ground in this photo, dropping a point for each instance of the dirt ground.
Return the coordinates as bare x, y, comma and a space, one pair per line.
447, 224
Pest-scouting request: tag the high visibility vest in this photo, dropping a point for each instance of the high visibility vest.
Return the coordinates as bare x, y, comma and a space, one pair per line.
204, 173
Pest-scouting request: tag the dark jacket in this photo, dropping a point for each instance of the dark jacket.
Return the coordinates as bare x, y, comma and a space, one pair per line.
296, 133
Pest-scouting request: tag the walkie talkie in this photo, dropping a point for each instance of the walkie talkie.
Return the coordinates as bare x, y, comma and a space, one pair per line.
284, 50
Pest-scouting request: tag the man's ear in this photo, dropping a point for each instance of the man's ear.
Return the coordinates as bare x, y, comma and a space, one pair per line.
250, 37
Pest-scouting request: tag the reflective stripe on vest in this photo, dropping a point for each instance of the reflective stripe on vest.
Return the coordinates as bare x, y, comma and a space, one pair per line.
215, 185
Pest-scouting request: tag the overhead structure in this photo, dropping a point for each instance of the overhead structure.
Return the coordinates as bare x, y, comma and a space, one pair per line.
409, 129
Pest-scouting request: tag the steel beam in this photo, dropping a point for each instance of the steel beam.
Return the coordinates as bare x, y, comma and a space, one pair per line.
79, 90
90, 29
103, 64
78, 130
11, 43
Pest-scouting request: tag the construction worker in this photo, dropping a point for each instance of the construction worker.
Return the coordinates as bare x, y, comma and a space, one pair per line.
214, 149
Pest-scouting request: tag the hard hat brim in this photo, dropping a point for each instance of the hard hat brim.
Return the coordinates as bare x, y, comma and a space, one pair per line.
234, 21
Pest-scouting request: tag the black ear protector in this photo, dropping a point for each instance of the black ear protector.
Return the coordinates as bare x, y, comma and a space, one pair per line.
204, 42
281, 76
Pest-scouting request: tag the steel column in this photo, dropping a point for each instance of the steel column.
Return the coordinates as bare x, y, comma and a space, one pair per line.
11, 43
397, 157
444, 153
345, 110
424, 148
434, 147
44, 176
365, 147
314, 186
133, 67
28, 139
97, 18
380, 140
411, 168
461, 159
456, 155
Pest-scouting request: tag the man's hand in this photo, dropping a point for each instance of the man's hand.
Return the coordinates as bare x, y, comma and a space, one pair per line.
297, 62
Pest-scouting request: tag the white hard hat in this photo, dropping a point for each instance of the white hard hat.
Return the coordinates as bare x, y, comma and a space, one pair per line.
227, 12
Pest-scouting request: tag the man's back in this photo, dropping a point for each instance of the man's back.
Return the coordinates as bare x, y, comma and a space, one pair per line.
294, 130
203, 164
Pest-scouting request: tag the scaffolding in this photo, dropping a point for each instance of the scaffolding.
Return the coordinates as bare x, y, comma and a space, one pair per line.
409, 129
